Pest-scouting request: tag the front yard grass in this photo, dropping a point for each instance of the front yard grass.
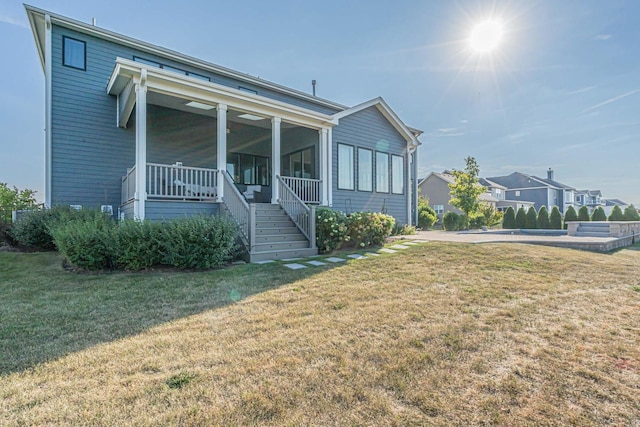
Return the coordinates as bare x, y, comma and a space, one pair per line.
437, 334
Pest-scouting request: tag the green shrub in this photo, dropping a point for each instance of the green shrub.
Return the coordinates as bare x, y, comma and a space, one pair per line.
521, 218
492, 217
598, 214
555, 219
6, 237
198, 242
543, 218
477, 220
583, 214
509, 219
86, 244
452, 221
403, 230
631, 213
369, 228
331, 229
426, 215
531, 220
139, 245
570, 215
616, 214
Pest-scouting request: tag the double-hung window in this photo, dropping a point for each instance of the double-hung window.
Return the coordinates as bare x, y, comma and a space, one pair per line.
382, 172
345, 167
397, 174
74, 53
365, 170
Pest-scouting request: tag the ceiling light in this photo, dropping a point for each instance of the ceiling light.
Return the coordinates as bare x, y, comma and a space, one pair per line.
200, 105
250, 117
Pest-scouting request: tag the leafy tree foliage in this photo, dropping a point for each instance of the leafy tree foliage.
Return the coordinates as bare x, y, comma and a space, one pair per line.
466, 190
598, 214
631, 214
492, 217
543, 218
531, 220
14, 199
555, 219
521, 218
570, 215
509, 219
616, 214
583, 214
426, 215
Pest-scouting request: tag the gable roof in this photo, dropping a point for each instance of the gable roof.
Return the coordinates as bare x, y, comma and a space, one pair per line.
409, 134
522, 180
615, 202
555, 184
490, 184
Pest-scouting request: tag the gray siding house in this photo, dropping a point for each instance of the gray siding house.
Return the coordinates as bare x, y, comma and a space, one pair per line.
149, 133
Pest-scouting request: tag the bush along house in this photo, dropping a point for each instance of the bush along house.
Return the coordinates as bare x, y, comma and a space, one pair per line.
149, 133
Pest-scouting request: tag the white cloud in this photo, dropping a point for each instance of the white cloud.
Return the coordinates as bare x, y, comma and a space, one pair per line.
13, 21
603, 37
447, 130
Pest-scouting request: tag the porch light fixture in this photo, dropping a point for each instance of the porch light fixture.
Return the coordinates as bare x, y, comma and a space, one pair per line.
200, 105
250, 117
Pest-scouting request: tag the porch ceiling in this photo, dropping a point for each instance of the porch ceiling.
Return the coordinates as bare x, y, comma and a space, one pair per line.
173, 90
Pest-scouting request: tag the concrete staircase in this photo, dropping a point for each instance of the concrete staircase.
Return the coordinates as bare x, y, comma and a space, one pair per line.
277, 237
594, 229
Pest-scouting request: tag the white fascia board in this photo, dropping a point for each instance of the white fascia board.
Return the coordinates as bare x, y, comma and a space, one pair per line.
528, 188
408, 133
37, 24
169, 83
178, 57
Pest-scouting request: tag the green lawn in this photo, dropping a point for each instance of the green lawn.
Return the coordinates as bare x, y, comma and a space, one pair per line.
437, 334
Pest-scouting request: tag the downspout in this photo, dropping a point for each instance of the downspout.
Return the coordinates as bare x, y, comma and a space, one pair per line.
47, 113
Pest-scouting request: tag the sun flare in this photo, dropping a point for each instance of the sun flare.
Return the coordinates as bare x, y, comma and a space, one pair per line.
486, 36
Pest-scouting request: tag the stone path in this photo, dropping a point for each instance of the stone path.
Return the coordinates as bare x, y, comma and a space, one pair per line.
317, 261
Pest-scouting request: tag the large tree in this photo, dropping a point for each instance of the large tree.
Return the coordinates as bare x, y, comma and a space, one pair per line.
466, 190
14, 199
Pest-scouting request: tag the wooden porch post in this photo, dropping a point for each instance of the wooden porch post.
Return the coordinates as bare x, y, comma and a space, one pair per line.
140, 196
324, 165
275, 155
221, 148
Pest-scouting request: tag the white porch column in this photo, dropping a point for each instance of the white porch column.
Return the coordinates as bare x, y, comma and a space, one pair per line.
48, 175
275, 155
140, 196
330, 165
221, 153
324, 165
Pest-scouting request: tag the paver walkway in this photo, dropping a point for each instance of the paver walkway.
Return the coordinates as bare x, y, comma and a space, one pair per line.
317, 261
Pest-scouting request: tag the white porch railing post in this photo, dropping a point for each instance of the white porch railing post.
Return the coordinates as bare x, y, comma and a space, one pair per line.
141, 147
324, 165
252, 227
312, 228
221, 147
275, 156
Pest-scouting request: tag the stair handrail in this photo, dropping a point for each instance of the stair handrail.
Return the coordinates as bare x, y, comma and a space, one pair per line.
303, 216
239, 209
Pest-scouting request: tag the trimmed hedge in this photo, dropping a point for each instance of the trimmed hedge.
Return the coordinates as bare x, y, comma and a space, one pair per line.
570, 215
452, 221
189, 243
335, 230
555, 219
583, 214
543, 218
631, 213
616, 214
531, 220
598, 214
521, 218
426, 215
509, 219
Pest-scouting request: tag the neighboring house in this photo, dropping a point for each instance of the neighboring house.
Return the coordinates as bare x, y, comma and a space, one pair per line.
542, 192
499, 192
610, 203
589, 198
153, 134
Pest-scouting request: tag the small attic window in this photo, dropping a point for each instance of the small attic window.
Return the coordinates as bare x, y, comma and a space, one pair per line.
74, 53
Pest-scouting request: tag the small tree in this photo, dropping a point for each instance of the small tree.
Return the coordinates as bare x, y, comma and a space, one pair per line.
555, 219
616, 214
509, 219
13, 199
631, 214
570, 215
598, 214
543, 218
426, 215
531, 220
466, 190
521, 217
492, 216
583, 214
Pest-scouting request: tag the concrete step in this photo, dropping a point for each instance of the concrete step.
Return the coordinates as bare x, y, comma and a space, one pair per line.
276, 238
594, 228
283, 254
592, 234
280, 246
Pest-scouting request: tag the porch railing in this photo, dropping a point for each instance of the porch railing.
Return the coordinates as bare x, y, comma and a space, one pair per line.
308, 190
302, 215
129, 185
180, 182
239, 209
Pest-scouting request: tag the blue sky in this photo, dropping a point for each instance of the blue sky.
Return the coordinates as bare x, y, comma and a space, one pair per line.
562, 90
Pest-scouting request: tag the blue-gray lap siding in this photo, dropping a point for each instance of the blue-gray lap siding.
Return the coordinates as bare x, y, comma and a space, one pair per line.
540, 196
158, 210
90, 153
371, 130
